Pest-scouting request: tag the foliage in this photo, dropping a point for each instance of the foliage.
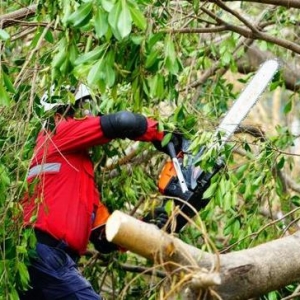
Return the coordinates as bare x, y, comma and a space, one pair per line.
139, 55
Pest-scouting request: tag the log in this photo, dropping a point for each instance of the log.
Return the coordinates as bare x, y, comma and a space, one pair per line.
242, 274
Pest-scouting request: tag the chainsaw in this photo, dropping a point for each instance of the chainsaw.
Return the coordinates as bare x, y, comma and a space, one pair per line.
181, 179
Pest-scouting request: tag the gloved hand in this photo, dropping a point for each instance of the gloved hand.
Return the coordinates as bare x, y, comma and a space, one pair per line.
158, 217
176, 139
98, 238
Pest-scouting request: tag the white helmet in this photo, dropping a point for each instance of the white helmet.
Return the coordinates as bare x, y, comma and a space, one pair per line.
81, 93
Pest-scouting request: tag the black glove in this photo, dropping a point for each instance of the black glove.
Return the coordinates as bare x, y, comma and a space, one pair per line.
158, 217
176, 139
98, 238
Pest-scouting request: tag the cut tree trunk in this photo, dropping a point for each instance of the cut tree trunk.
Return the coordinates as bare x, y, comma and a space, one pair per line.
237, 275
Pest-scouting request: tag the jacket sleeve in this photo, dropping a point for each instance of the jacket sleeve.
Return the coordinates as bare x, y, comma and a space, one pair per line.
72, 134
152, 133
92, 131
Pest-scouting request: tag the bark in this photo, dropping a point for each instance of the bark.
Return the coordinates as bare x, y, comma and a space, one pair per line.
18, 15
242, 274
284, 3
255, 57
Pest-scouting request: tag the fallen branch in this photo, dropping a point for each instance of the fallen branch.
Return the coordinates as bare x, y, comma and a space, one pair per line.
244, 274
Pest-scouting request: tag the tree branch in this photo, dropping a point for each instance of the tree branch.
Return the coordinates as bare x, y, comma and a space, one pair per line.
244, 274
237, 15
23, 13
250, 34
254, 57
285, 3
196, 30
242, 43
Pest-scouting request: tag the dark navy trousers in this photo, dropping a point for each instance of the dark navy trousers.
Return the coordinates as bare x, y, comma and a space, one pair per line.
54, 276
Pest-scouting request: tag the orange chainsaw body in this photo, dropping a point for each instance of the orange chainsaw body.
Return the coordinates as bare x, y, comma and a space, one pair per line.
167, 174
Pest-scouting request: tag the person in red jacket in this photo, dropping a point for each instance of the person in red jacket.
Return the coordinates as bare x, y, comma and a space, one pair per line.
63, 202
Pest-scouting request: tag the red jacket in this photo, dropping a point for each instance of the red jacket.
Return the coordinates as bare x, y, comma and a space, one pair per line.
63, 197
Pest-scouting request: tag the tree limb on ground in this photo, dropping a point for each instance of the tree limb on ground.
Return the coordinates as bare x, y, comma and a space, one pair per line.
244, 274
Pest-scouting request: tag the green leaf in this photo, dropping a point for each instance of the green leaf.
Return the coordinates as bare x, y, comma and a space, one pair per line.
4, 36
155, 38
169, 207
66, 10
94, 73
263, 45
81, 16
179, 114
21, 249
138, 19
120, 19
13, 295
196, 4
295, 200
236, 227
125, 21
170, 54
110, 74
160, 87
91, 56
166, 139
226, 58
241, 171
4, 98
210, 192
137, 39
152, 58
288, 107
23, 273
170, 48
4, 177
73, 53
280, 164
36, 37
113, 18
107, 5
60, 57
101, 22
8, 84
49, 37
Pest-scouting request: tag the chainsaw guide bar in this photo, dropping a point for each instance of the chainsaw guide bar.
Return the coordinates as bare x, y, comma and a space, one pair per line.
247, 99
